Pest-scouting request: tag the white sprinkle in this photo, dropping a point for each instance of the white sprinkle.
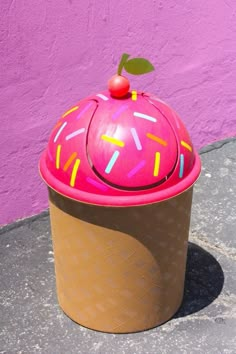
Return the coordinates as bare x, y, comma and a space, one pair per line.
104, 98
59, 131
208, 175
77, 132
145, 116
136, 139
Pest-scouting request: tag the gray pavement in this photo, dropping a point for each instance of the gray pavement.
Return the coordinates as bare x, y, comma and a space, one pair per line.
32, 322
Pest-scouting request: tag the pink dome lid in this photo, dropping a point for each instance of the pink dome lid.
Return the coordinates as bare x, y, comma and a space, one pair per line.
120, 152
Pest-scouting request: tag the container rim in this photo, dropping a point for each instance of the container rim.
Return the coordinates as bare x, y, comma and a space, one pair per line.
154, 196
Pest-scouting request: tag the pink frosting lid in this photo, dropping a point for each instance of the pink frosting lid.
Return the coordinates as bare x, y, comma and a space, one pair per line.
120, 152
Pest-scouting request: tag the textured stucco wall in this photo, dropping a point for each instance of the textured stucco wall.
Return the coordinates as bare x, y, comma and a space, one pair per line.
53, 53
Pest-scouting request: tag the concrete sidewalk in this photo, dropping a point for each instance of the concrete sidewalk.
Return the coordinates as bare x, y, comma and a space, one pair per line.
32, 322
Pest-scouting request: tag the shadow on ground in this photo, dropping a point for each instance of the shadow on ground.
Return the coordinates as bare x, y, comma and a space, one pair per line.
203, 282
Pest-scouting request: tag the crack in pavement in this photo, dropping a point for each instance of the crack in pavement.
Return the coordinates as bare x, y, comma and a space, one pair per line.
22, 222
216, 146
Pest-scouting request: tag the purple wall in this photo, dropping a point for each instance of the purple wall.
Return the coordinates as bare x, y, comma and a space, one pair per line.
56, 52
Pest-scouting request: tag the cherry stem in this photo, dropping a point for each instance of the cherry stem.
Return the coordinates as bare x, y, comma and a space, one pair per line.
122, 63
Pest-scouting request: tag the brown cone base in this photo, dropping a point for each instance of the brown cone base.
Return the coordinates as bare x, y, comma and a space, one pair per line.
120, 270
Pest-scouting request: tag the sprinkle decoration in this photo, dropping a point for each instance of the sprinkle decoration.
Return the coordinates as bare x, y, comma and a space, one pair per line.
133, 136
158, 140
145, 116
57, 125
119, 111
70, 111
134, 96
58, 154
112, 161
181, 169
136, 138
74, 172
50, 155
75, 133
187, 146
103, 97
96, 184
59, 131
84, 110
69, 161
114, 141
138, 167
156, 164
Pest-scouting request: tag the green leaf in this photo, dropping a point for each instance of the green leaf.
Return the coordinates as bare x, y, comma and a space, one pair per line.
138, 66
122, 62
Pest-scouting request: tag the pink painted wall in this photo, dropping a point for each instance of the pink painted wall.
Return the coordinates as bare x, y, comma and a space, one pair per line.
53, 53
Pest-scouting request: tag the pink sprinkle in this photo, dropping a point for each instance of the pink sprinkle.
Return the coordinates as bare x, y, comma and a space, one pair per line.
138, 167
50, 155
119, 111
96, 184
84, 110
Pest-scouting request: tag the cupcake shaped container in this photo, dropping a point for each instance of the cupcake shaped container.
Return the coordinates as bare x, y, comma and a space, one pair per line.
120, 175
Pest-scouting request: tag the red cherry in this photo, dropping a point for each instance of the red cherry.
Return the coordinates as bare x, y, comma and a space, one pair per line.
118, 86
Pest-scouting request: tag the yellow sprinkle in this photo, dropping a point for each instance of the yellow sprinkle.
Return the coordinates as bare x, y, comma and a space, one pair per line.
187, 146
134, 96
70, 110
157, 164
74, 172
58, 156
113, 140
158, 140
69, 161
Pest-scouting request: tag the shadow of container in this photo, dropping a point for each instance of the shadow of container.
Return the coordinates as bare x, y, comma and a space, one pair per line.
203, 282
